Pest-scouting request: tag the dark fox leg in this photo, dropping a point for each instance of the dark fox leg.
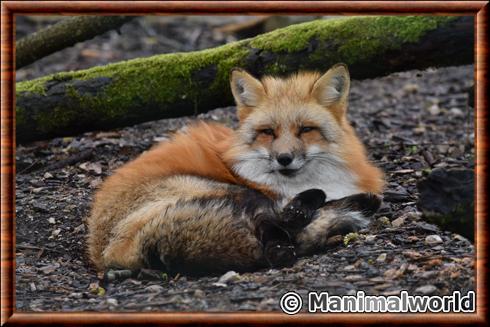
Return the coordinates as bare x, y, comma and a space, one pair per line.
277, 232
299, 212
337, 217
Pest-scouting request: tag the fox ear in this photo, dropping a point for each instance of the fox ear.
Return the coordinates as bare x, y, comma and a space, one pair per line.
332, 88
246, 90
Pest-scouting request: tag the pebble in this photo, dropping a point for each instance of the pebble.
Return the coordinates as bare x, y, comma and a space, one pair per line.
230, 276
111, 301
426, 289
51, 220
79, 229
370, 239
458, 237
434, 110
412, 267
381, 258
410, 88
354, 278
199, 293
349, 268
49, 268
398, 222
433, 240
456, 112
428, 274
154, 289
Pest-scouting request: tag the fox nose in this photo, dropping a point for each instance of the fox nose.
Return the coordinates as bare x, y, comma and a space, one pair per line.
284, 159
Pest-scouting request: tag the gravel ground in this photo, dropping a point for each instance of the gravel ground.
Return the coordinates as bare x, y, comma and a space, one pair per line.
411, 123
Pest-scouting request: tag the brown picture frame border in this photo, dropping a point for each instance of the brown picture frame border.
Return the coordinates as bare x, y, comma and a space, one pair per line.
479, 9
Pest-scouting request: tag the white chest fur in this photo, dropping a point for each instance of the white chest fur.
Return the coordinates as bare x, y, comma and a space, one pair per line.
331, 176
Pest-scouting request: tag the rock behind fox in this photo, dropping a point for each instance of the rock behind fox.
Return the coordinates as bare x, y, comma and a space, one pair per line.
212, 199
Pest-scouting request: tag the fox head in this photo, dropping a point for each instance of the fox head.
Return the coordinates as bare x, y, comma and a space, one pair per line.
293, 132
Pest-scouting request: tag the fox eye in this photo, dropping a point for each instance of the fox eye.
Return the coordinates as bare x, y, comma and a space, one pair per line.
306, 129
267, 131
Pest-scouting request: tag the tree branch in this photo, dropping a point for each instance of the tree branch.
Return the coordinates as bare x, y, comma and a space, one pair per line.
62, 35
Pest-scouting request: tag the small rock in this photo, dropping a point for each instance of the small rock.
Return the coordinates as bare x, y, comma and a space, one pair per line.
154, 289
426, 290
419, 130
79, 229
112, 302
33, 287
353, 278
434, 109
49, 269
426, 227
398, 222
230, 276
370, 239
433, 262
456, 112
199, 293
412, 267
94, 167
410, 88
48, 175
428, 274
460, 238
381, 258
51, 220
433, 240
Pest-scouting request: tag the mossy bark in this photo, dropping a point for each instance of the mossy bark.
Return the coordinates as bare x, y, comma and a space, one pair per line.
62, 35
179, 84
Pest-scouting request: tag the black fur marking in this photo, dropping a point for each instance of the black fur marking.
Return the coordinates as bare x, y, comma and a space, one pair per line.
152, 258
279, 255
366, 203
300, 210
277, 242
250, 201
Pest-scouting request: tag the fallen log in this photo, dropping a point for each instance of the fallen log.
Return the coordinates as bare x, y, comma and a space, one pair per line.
62, 35
178, 84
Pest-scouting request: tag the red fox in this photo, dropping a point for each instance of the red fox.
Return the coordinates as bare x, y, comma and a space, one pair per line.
213, 199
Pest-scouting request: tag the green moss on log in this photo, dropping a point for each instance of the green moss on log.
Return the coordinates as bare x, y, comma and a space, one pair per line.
171, 85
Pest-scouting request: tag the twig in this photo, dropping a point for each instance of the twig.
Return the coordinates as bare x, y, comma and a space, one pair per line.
80, 156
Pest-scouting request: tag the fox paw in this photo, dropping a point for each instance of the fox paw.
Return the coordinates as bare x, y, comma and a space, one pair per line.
300, 210
356, 211
365, 203
279, 254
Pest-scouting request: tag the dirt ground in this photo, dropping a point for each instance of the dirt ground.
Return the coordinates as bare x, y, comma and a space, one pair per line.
411, 123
